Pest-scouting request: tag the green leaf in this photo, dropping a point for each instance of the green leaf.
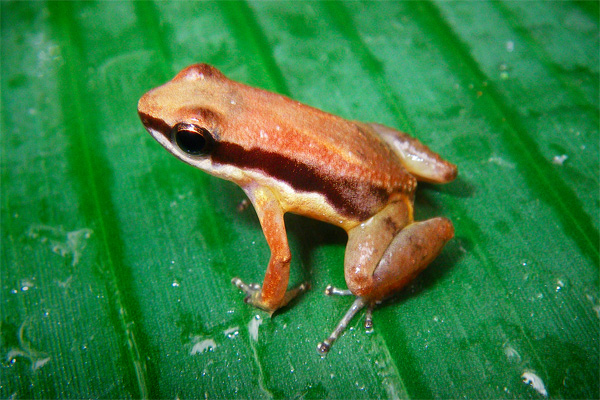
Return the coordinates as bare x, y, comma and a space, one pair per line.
117, 258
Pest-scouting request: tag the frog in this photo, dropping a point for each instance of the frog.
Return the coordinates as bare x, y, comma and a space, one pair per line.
289, 157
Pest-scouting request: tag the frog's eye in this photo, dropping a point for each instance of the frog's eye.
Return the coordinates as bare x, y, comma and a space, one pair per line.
192, 139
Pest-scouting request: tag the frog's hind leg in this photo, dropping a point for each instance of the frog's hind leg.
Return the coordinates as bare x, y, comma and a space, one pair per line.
358, 304
383, 255
366, 242
411, 251
418, 159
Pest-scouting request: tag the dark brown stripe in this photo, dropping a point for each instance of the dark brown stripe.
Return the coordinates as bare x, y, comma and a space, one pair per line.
208, 117
349, 197
155, 123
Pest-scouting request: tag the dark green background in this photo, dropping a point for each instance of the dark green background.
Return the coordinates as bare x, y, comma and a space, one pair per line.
117, 258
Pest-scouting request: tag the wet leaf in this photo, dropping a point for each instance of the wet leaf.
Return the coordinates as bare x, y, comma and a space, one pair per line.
117, 258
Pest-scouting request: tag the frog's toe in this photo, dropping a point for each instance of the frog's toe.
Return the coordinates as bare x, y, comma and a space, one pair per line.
333, 291
254, 295
252, 291
369, 318
249, 288
358, 304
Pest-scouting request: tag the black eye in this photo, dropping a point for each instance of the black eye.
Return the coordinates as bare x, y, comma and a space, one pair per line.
192, 139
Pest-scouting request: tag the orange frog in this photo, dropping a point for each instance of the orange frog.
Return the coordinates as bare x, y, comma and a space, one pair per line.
289, 157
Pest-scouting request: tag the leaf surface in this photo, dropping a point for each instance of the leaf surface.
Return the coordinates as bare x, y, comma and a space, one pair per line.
117, 258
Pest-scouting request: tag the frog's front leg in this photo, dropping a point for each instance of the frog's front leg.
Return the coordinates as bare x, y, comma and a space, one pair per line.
273, 294
384, 254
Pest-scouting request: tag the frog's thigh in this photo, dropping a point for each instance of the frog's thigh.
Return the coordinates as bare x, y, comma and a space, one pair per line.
425, 164
410, 251
368, 242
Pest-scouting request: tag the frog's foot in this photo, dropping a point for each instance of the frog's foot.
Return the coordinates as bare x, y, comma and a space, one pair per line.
249, 289
254, 295
333, 291
358, 304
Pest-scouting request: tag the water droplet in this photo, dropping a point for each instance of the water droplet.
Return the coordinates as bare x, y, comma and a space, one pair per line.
511, 353
533, 380
232, 333
66, 244
559, 159
206, 345
595, 304
26, 284
253, 326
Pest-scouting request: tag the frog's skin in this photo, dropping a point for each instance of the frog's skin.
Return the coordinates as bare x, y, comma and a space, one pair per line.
289, 157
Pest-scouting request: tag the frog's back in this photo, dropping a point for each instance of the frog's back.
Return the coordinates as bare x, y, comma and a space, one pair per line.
317, 152
308, 155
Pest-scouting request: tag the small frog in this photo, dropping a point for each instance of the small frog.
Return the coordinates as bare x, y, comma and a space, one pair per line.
290, 157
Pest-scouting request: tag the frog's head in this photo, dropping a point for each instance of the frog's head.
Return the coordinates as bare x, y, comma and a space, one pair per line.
187, 114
